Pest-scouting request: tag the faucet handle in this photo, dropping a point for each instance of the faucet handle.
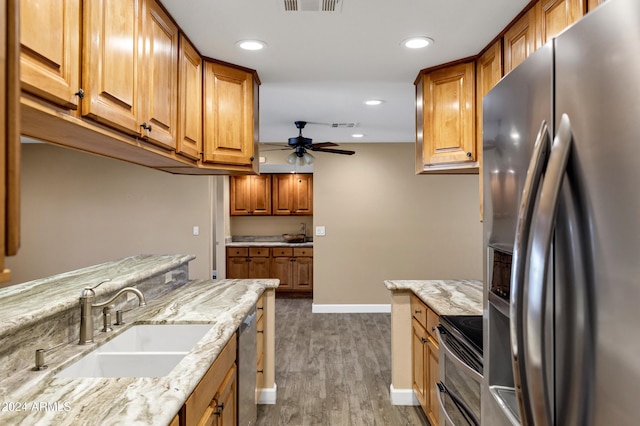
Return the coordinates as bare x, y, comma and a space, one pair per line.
86, 290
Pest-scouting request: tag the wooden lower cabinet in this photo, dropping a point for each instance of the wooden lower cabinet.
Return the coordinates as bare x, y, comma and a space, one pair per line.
424, 348
214, 400
293, 266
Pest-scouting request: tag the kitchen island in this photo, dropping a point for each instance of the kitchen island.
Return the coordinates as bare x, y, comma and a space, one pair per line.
38, 397
442, 297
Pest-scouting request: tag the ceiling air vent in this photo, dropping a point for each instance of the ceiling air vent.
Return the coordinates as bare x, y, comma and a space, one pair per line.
349, 124
312, 5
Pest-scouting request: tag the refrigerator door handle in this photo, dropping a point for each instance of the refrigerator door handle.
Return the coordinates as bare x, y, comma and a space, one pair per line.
525, 214
536, 281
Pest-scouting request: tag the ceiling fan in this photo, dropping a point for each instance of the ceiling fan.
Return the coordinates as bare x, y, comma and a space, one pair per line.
300, 145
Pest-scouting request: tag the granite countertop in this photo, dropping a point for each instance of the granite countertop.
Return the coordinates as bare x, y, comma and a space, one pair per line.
137, 401
267, 244
264, 241
445, 297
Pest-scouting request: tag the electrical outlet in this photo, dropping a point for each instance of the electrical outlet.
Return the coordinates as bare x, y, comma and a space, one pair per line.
320, 231
196, 230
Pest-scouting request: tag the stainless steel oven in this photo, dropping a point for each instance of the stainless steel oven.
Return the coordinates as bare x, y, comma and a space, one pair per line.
460, 364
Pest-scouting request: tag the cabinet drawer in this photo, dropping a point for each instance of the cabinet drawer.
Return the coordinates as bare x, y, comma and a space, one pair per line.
282, 252
259, 251
432, 323
419, 310
237, 251
303, 251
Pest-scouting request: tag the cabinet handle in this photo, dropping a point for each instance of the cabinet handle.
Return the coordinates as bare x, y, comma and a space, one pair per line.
261, 331
260, 309
418, 311
261, 371
468, 154
423, 340
251, 158
146, 126
220, 408
80, 93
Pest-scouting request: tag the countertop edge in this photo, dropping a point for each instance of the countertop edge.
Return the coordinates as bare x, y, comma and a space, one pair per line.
444, 297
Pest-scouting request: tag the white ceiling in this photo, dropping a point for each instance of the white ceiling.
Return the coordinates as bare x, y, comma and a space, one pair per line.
321, 66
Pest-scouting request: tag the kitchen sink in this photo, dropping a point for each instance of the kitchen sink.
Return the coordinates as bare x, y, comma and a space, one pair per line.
145, 350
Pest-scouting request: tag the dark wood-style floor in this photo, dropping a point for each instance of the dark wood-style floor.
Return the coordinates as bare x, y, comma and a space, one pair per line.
333, 369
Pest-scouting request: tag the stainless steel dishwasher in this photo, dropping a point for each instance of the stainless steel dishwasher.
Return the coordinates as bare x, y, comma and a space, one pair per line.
247, 408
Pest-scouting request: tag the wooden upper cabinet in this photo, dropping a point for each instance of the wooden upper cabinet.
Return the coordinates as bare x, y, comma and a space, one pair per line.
521, 39
292, 194
556, 15
250, 195
110, 63
50, 50
189, 101
9, 133
229, 122
488, 74
159, 76
445, 118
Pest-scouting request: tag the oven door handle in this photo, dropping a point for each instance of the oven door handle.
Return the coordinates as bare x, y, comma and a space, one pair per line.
456, 360
464, 409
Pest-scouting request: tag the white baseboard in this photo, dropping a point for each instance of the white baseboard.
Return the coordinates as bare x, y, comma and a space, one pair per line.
350, 308
268, 395
403, 396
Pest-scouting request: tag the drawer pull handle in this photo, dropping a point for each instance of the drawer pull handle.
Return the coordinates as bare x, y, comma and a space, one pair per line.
260, 331
423, 340
261, 371
418, 311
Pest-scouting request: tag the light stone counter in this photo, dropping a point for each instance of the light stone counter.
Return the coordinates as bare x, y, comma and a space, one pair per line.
48, 400
267, 244
445, 297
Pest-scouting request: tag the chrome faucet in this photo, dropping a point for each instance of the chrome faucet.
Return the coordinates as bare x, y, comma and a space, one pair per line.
304, 229
87, 298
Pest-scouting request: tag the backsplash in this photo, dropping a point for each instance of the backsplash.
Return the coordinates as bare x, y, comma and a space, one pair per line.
269, 225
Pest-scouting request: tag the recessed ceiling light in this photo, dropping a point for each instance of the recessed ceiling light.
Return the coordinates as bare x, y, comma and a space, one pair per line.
251, 44
373, 102
357, 135
417, 42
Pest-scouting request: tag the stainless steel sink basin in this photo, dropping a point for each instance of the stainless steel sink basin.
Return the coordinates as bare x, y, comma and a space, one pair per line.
141, 351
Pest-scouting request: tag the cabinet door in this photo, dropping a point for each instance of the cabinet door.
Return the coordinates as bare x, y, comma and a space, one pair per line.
433, 377
189, 101
282, 194
281, 268
226, 399
521, 40
556, 15
110, 63
228, 115
250, 195
419, 361
50, 50
302, 186
448, 122
259, 267
488, 74
303, 273
238, 267
159, 76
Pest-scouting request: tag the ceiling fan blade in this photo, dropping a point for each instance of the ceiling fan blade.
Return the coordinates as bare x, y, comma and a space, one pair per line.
323, 144
333, 151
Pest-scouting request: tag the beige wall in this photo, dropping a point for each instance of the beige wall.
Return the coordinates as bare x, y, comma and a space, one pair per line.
384, 222
80, 210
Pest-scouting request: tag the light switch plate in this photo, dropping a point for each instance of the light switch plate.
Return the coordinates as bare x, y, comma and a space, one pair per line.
320, 231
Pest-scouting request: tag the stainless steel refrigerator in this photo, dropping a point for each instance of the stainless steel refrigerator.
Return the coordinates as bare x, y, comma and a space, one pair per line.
562, 229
